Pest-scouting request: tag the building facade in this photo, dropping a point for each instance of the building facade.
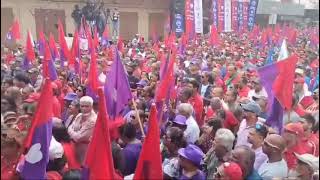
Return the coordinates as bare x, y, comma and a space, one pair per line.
144, 17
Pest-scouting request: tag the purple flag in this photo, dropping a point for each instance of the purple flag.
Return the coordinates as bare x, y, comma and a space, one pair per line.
38, 140
117, 89
26, 63
52, 71
268, 75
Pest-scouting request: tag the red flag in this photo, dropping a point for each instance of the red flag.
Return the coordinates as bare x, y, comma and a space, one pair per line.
149, 164
99, 157
74, 50
105, 32
168, 78
93, 74
292, 36
214, 36
120, 45
15, 29
53, 47
44, 111
95, 38
283, 84
29, 48
63, 43
45, 62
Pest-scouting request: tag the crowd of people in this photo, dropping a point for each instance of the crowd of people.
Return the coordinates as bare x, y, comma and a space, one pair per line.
213, 125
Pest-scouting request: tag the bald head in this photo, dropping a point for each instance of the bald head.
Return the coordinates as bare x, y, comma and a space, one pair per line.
217, 92
245, 157
216, 103
277, 141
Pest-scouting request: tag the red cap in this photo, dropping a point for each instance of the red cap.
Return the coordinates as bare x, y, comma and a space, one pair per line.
295, 128
232, 170
306, 101
299, 80
32, 97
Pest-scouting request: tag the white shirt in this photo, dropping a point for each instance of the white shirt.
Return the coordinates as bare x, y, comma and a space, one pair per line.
204, 89
273, 170
242, 134
192, 132
55, 149
262, 93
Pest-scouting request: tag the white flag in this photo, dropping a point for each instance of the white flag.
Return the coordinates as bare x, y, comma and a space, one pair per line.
283, 54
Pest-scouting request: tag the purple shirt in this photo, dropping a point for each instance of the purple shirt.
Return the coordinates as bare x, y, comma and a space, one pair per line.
242, 135
199, 176
131, 155
260, 158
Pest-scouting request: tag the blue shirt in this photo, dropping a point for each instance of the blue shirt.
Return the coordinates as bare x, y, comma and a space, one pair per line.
254, 176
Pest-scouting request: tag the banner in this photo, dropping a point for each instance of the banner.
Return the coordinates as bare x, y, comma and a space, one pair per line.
220, 15
215, 13
198, 16
227, 15
179, 24
235, 14
245, 14
189, 18
252, 13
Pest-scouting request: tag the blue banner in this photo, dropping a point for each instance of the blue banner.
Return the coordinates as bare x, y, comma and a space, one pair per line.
215, 13
179, 23
252, 13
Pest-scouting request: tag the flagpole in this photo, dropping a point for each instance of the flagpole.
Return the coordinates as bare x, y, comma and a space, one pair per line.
137, 114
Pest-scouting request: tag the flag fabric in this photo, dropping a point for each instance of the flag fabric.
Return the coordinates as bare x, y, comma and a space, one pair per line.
41, 41
64, 51
167, 79
105, 38
214, 36
14, 31
75, 51
283, 53
120, 45
283, 84
117, 89
49, 70
38, 140
93, 82
149, 164
99, 162
275, 119
29, 53
53, 47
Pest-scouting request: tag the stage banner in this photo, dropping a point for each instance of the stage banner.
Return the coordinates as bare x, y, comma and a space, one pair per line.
252, 13
227, 15
189, 18
179, 24
221, 15
245, 15
235, 14
198, 16
215, 13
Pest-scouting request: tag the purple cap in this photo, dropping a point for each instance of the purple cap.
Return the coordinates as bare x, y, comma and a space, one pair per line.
70, 96
192, 153
179, 119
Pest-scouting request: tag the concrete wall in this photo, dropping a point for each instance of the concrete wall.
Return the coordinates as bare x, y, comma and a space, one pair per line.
24, 10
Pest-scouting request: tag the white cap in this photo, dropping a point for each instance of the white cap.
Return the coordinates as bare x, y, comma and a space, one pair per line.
55, 149
309, 159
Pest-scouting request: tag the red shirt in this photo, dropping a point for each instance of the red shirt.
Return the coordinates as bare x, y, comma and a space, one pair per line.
197, 102
8, 170
56, 107
290, 157
313, 142
243, 92
230, 121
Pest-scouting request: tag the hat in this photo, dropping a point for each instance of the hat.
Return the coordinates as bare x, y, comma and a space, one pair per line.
299, 71
9, 115
309, 159
192, 153
295, 128
252, 107
232, 170
70, 96
180, 119
32, 97
299, 80
142, 83
306, 101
